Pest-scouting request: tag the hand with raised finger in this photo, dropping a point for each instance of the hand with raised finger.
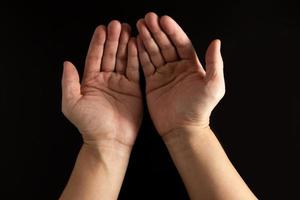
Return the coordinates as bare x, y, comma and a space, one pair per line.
107, 105
180, 93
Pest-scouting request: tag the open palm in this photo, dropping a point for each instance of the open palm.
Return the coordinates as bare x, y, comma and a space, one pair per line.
108, 104
180, 92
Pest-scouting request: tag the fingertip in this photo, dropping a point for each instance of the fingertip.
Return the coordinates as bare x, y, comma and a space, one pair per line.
217, 42
164, 20
114, 23
70, 83
67, 64
125, 34
114, 26
70, 72
150, 14
152, 22
167, 24
216, 46
144, 31
100, 29
213, 59
64, 68
100, 33
138, 23
126, 26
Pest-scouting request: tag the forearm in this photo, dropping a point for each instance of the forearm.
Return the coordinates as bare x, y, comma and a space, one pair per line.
204, 167
98, 173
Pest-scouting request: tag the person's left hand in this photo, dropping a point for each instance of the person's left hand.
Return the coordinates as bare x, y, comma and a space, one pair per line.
107, 106
180, 93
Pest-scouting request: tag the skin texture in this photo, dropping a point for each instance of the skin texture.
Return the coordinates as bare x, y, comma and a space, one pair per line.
107, 105
181, 96
107, 110
179, 91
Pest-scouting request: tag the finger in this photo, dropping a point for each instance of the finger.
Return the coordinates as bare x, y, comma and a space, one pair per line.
132, 69
95, 52
148, 67
181, 41
213, 60
149, 43
122, 49
166, 47
70, 84
111, 46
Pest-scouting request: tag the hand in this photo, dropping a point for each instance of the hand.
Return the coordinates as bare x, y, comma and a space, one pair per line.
180, 93
107, 106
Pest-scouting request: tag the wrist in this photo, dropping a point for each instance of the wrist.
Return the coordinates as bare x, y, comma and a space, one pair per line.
182, 138
200, 124
107, 148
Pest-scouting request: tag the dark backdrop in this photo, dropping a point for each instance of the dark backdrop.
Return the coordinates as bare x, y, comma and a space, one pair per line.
257, 122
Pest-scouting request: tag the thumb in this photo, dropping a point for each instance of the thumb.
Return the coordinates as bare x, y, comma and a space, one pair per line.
70, 83
213, 60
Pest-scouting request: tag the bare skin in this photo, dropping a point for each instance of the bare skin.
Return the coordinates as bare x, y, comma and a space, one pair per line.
178, 89
107, 110
107, 104
181, 96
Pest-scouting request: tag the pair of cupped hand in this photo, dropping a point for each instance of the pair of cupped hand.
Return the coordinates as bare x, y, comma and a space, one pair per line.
107, 105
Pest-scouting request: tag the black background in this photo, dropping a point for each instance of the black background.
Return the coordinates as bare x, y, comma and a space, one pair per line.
257, 122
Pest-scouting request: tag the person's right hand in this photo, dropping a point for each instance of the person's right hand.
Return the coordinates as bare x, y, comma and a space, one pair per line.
180, 93
107, 106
